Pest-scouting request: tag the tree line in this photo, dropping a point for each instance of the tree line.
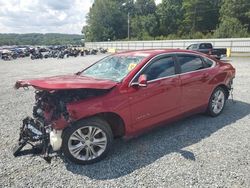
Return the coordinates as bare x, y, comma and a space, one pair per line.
171, 19
40, 39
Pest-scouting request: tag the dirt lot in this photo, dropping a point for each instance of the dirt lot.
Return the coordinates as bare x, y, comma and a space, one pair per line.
199, 151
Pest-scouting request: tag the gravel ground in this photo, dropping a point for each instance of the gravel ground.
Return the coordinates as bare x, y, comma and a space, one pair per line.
199, 151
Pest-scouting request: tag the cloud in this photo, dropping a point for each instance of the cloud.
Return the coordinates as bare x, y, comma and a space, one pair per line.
58, 4
45, 16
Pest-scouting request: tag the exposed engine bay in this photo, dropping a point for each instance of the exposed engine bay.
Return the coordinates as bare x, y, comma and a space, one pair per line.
50, 108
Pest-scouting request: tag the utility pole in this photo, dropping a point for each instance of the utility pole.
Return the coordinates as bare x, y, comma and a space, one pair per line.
194, 23
128, 27
125, 5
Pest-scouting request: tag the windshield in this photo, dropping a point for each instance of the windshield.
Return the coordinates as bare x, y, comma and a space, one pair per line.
113, 67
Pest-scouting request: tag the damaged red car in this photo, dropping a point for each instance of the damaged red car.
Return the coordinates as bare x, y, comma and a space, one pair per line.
122, 95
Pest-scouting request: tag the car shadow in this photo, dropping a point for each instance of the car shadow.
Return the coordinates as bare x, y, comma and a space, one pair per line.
128, 156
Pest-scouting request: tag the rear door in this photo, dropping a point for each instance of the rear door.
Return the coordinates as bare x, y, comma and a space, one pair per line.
194, 79
160, 100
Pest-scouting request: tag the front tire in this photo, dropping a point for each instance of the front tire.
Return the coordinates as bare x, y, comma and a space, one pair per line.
217, 102
88, 141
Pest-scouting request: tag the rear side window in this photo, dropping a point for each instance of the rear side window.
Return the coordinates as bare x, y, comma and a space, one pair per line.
207, 62
190, 63
163, 67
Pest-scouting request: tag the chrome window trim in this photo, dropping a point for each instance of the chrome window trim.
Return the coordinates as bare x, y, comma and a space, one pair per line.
172, 53
175, 75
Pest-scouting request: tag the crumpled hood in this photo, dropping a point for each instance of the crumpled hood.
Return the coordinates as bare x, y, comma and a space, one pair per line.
66, 82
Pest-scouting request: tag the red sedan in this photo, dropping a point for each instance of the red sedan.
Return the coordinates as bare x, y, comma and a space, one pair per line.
120, 96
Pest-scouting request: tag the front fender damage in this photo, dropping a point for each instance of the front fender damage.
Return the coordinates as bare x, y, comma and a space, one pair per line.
44, 130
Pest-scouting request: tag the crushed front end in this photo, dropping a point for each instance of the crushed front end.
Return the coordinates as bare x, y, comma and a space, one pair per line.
44, 130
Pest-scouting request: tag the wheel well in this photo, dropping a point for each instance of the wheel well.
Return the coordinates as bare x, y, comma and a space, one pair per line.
114, 120
116, 123
226, 89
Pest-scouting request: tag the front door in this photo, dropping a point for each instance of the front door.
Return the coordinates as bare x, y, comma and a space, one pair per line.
160, 100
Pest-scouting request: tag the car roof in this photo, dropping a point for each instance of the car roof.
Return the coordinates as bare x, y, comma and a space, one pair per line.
154, 52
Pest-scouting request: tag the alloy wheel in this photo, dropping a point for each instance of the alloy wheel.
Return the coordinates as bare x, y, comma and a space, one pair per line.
87, 143
218, 101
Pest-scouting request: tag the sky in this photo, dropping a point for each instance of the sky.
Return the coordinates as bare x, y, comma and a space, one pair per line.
44, 16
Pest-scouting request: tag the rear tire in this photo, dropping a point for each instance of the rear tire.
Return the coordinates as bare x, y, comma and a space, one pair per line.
88, 141
217, 102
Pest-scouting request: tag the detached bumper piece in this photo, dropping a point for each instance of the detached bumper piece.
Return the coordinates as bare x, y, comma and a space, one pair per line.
35, 134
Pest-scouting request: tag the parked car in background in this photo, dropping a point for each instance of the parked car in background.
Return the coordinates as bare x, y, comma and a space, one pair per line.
207, 48
8, 55
122, 95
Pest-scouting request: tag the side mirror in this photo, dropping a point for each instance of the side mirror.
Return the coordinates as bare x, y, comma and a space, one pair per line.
142, 81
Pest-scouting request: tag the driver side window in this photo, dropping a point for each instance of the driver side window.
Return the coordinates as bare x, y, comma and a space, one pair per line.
161, 68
